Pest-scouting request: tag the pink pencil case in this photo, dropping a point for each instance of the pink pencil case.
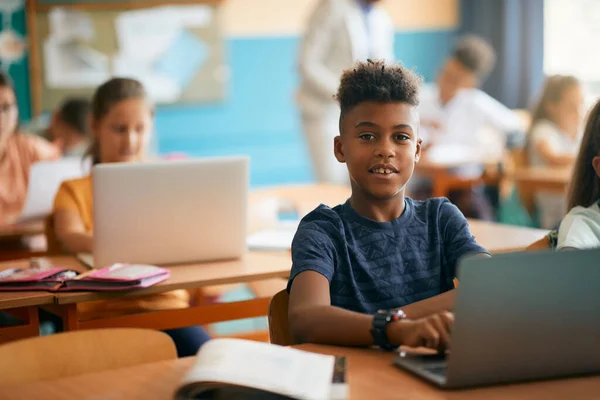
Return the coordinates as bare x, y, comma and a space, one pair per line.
112, 278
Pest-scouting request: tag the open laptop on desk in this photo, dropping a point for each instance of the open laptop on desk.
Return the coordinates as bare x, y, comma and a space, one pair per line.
170, 212
519, 317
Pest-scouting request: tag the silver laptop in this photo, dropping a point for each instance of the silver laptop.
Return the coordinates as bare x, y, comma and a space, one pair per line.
519, 317
170, 212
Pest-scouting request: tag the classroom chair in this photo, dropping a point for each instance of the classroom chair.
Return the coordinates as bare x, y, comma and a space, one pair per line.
279, 330
80, 352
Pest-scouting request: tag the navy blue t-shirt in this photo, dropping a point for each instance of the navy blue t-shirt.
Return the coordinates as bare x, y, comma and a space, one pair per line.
382, 265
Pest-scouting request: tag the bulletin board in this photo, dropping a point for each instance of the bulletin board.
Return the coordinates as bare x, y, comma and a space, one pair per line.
175, 48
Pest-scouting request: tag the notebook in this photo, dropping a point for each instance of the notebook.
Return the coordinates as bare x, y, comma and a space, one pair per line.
243, 369
57, 279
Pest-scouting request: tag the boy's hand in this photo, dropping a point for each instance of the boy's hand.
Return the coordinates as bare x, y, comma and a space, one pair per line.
432, 331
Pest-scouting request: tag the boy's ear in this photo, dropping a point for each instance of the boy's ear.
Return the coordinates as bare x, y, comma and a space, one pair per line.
338, 149
596, 164
418, 151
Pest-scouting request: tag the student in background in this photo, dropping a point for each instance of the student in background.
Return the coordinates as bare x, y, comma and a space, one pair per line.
122, 120
356, 264
580, 229
17, 153
553, 138
70, 125
339, 33
455, 110
457, 116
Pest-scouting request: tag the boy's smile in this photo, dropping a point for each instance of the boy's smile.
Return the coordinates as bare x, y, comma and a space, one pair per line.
380, 145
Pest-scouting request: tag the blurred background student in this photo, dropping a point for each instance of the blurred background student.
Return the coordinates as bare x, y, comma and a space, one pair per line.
553, 139
18, 152
69, 127
459, 118
339, 33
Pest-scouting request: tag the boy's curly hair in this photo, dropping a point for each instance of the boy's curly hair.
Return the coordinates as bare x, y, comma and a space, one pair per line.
377, 81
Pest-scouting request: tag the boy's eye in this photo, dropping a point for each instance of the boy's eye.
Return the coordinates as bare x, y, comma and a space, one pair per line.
402, 137
367, 136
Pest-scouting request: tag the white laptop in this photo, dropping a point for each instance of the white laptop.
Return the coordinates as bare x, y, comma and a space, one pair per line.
170, 212
45, 178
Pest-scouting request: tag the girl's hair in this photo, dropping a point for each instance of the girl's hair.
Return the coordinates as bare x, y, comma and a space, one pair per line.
585, 183
554, 87
6, 81
75, 113
105, 97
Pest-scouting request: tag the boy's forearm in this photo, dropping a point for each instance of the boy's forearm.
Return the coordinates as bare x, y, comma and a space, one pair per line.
331, 325
336, 326
441, 302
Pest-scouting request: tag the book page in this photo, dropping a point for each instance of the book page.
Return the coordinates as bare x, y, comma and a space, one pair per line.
264, 366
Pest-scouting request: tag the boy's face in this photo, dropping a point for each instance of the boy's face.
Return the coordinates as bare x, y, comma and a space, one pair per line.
379, 143
455, 76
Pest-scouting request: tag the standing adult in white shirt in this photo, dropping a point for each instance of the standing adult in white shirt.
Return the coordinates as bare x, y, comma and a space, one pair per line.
339, 33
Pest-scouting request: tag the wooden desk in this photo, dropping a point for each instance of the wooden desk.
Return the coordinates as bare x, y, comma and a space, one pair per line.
252, 267
302, 198
444, 180
536, 179
23, 305
13, 239
21, 230
371, 375
500, 238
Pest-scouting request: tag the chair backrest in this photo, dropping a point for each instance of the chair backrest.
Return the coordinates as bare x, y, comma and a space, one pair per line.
74, 353
279, 331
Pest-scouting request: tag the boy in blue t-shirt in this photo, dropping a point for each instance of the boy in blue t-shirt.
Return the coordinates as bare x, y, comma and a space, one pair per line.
379, 268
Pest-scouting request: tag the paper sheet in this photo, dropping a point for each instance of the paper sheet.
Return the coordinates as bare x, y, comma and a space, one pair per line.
45, 178
156, 48
69, 25
274, 239
68, 62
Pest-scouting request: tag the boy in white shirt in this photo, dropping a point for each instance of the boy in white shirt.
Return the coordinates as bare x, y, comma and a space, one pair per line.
455, 112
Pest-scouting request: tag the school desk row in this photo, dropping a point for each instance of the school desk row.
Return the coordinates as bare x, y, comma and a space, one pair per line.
370, 374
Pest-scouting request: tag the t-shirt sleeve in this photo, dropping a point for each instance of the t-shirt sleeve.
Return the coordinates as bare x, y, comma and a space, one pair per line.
456, 237
579, 230
312, 250
65, 199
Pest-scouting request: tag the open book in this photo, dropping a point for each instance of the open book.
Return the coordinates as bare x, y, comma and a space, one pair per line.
242, 369
57, 279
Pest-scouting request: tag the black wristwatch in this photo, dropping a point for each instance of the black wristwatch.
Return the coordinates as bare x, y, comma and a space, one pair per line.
379, 330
